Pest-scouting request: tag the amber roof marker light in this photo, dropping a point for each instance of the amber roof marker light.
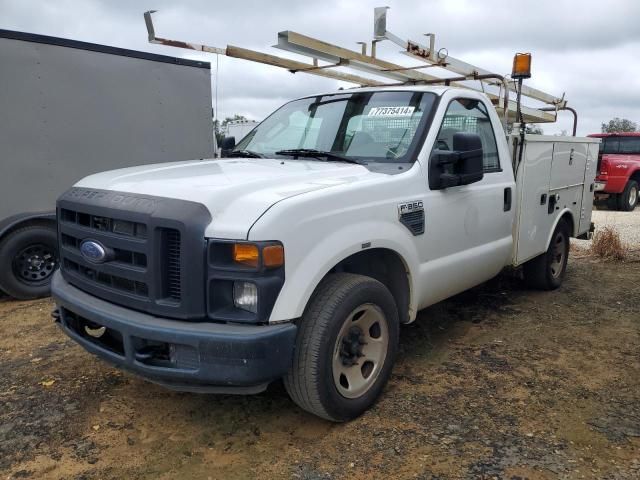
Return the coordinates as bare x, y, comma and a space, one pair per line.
521, 69
521, 66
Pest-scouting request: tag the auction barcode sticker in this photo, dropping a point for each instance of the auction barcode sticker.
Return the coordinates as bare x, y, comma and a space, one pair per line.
391, 111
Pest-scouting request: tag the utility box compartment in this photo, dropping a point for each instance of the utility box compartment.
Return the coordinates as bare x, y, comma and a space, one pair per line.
554, 175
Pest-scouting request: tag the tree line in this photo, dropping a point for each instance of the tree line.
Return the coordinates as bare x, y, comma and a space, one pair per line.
618, 124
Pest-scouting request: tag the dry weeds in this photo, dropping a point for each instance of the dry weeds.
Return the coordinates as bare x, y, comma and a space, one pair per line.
607, 244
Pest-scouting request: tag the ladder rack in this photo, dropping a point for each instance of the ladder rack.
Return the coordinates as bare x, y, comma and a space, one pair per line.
335, 57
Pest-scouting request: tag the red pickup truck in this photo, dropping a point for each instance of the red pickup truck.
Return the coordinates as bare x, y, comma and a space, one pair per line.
618, 173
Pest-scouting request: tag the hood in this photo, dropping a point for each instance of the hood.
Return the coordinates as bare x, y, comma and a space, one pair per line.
237, 191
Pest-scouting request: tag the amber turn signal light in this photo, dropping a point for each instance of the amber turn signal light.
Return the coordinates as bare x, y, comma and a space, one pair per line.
246, 254
273, 256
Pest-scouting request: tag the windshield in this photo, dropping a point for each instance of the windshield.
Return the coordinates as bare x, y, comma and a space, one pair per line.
365, 126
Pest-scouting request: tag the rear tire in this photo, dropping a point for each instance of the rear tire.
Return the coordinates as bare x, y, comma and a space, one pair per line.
547, 271
345, 348
28, 258
628, 199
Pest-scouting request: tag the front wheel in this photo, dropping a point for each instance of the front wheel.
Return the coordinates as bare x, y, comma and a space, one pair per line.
547, 271
345, 348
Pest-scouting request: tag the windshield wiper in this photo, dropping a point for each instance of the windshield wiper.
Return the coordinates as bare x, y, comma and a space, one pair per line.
244, 153
310, 152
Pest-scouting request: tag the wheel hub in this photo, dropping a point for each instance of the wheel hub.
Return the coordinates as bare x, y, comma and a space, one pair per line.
34, 264
360, 350
352, 344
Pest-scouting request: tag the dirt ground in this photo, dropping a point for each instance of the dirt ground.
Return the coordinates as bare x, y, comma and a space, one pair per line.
499, 382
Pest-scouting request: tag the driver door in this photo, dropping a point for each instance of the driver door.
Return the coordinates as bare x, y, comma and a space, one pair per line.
468, 236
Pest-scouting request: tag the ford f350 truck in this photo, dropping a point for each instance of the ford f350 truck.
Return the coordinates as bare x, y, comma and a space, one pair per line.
340, 217
618, 172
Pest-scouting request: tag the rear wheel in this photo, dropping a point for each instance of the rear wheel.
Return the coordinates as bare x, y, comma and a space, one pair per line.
547, 271
28, 258
628, 199
345, 349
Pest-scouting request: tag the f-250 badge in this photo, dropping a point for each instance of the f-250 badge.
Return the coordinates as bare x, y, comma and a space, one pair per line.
409, 207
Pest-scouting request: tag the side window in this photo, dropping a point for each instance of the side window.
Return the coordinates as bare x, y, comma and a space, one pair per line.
610, 145
470, 116
630, 145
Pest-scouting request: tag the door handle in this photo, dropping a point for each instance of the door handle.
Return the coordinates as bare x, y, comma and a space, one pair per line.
553, 200
507, 199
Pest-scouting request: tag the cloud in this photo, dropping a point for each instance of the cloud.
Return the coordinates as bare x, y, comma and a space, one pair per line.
586, 49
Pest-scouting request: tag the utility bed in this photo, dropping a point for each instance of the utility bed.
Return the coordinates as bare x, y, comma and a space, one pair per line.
554, 174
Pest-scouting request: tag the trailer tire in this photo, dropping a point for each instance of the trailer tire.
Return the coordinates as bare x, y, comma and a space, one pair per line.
334, 374
28, 258
628, 199
547, 271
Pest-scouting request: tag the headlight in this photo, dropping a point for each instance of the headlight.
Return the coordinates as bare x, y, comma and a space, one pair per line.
244, 279
245, 296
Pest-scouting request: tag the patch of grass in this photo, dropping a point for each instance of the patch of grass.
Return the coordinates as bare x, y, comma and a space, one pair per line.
607, 244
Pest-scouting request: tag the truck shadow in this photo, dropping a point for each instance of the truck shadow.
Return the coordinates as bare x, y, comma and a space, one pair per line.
439, 323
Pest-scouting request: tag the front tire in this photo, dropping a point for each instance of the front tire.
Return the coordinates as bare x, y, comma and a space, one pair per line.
345, 348
28, 258
628, 199
547, 271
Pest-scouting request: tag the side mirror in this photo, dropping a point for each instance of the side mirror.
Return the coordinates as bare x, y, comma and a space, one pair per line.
228, 144
461, 166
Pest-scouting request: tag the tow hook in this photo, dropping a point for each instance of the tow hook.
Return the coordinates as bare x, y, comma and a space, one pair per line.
55, 314
95, 331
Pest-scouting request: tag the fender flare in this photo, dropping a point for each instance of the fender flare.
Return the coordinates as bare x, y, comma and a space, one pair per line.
291, 305
14, 221
562, 214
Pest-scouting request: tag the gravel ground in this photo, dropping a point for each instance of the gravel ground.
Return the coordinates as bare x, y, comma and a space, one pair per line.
626, 223
497, 383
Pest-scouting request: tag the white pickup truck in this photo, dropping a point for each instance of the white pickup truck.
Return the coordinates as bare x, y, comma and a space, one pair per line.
342, 215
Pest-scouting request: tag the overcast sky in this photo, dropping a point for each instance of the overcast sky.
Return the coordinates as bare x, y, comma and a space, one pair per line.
586, 48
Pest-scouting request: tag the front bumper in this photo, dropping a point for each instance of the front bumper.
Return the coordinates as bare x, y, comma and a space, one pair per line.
182, 355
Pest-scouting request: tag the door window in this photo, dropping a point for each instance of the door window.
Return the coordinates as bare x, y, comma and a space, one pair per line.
470, 116
630, 145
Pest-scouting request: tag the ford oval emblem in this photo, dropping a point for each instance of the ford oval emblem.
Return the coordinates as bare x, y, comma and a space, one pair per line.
93, 251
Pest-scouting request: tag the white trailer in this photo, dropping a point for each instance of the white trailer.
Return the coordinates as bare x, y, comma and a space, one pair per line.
70, 109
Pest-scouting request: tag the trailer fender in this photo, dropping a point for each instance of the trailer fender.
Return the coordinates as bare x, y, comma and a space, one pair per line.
15, 221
